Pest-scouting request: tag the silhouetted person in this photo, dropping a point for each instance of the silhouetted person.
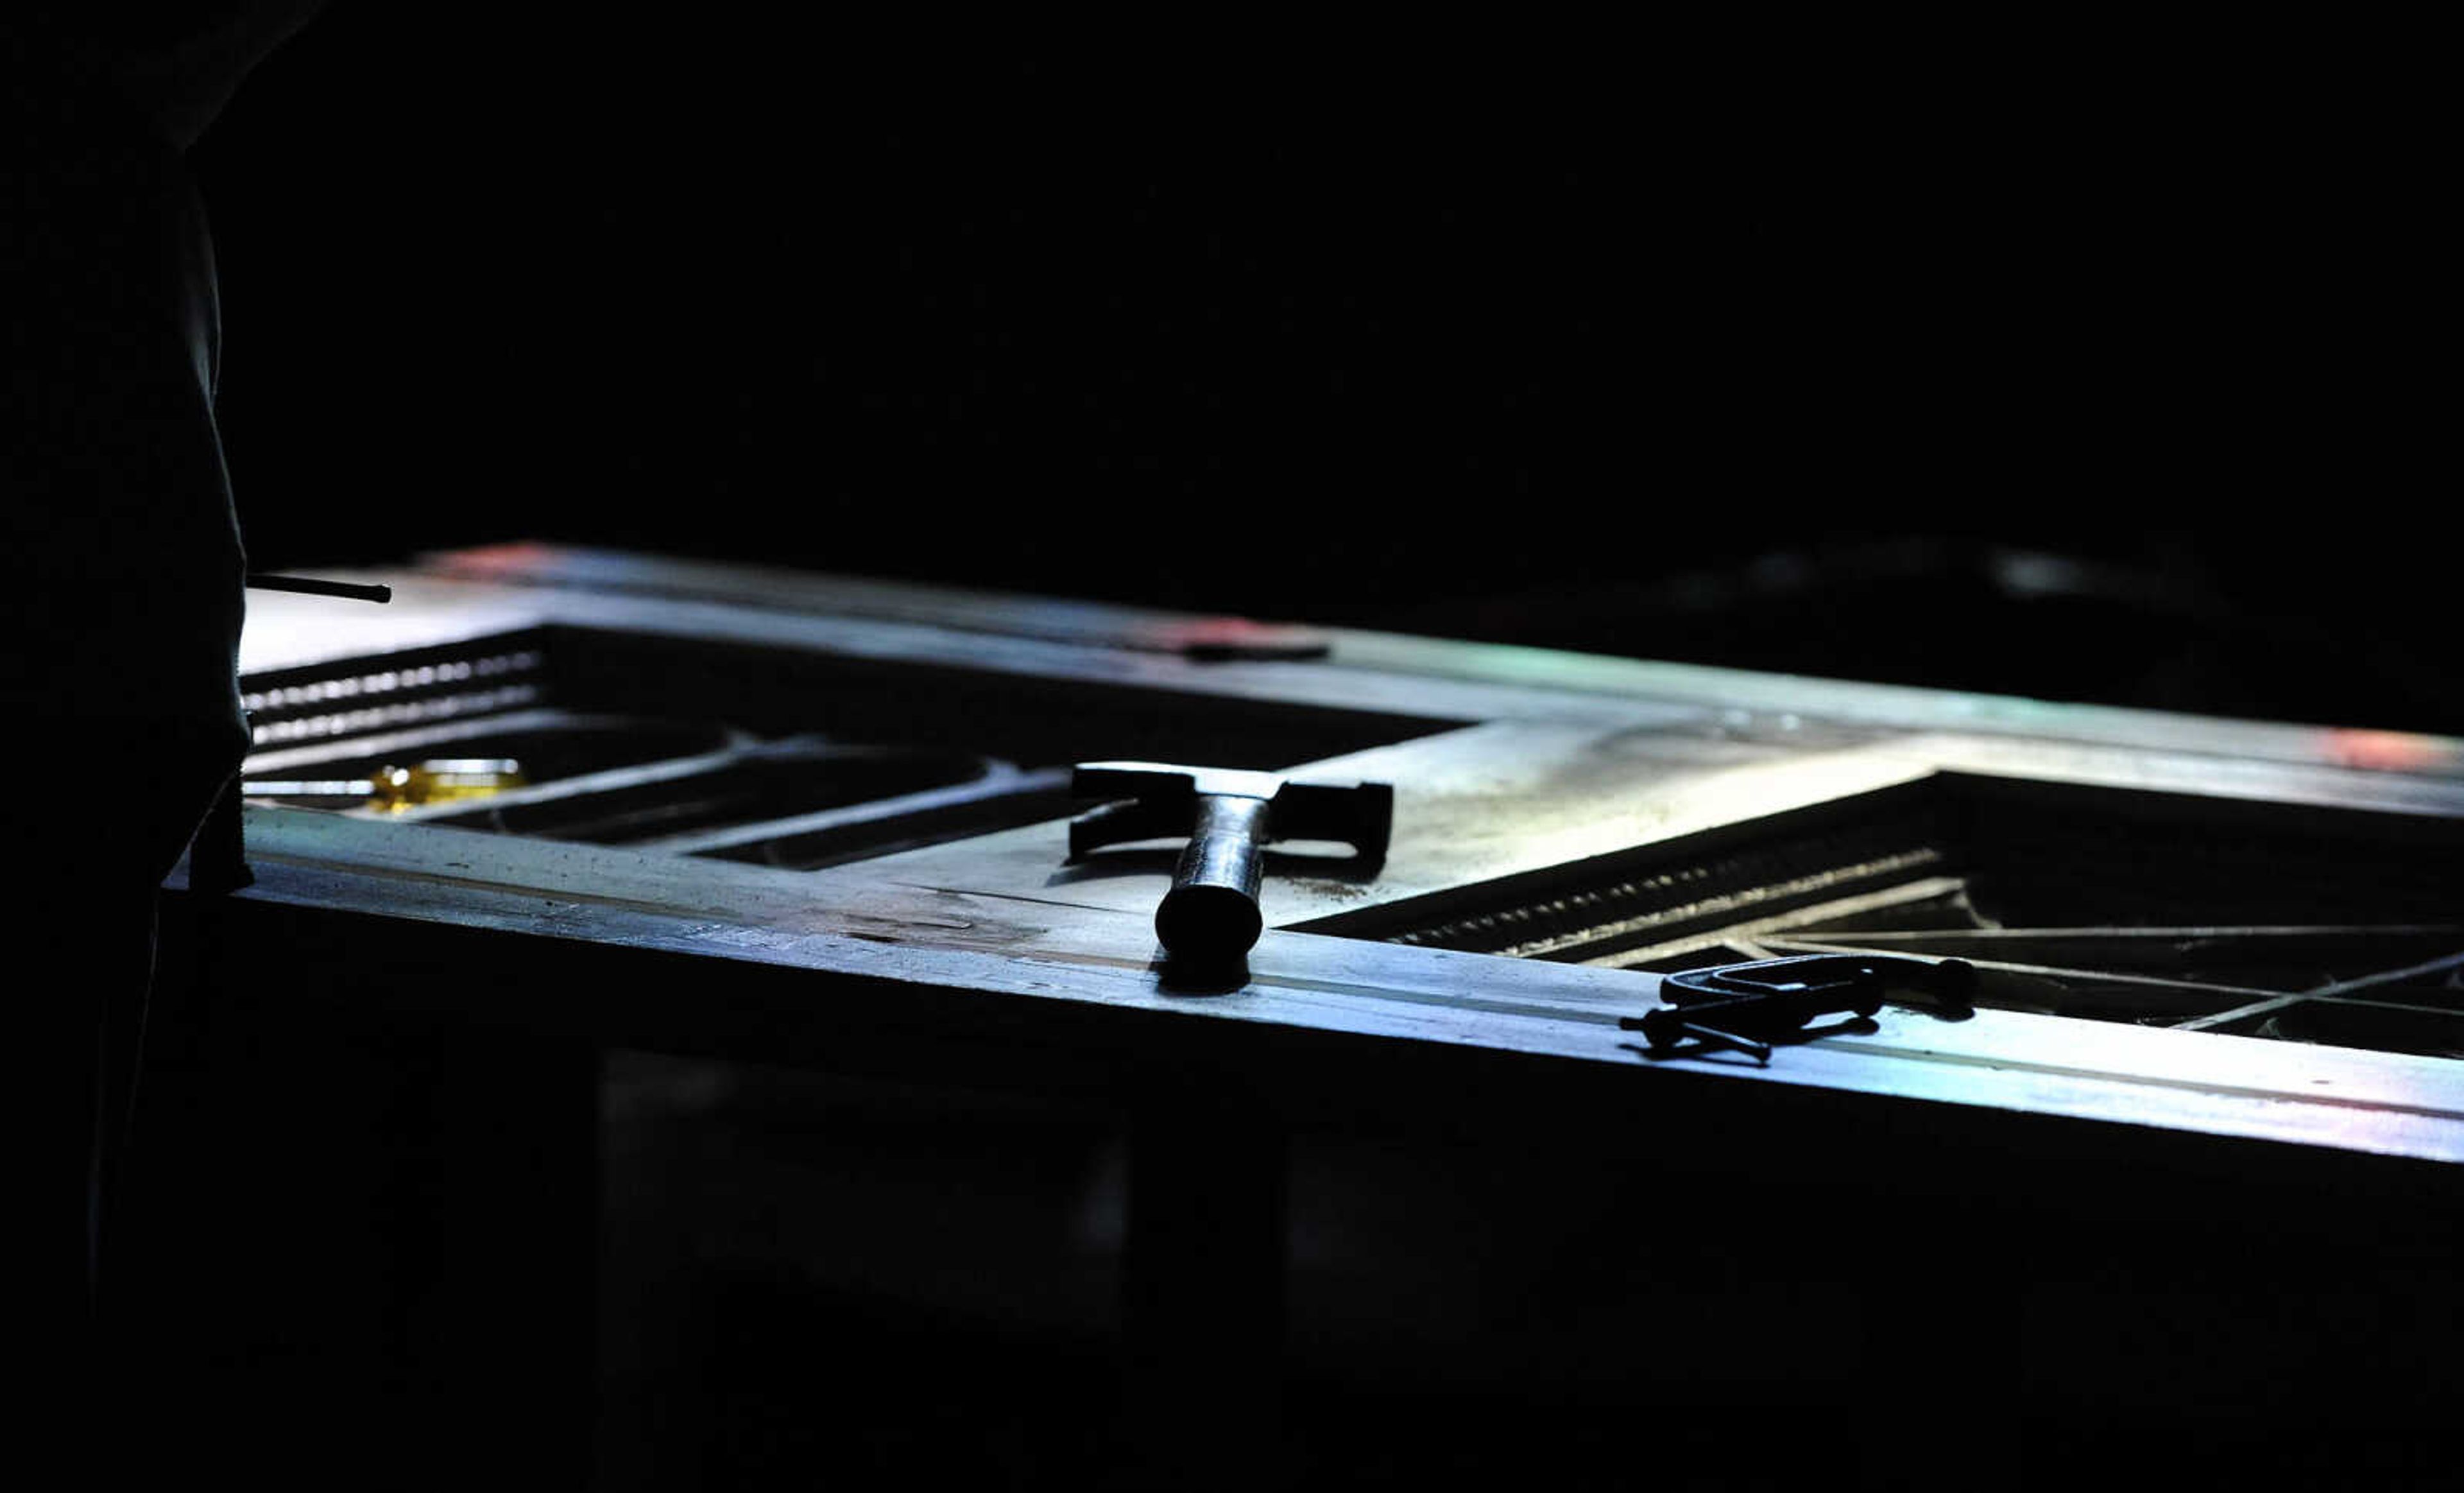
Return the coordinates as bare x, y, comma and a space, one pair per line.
121, 567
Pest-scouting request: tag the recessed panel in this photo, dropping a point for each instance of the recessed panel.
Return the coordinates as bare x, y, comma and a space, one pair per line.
2335, 925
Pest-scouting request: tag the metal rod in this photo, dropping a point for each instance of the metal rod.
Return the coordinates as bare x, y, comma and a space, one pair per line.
310, 585
1760, 1052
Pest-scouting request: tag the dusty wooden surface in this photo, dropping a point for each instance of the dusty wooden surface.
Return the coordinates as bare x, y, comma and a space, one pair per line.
473, 593
1511, 797
776, 967
993, 953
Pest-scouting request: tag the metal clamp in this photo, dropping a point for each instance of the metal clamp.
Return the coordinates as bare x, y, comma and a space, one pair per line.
1749, 1005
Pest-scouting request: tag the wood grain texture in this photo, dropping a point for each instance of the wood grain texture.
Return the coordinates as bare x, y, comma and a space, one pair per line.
989, 959
817, 965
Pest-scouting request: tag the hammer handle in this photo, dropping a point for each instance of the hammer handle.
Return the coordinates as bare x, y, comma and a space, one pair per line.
1211, 913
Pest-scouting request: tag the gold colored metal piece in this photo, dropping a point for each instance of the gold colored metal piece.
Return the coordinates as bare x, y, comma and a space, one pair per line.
441, 780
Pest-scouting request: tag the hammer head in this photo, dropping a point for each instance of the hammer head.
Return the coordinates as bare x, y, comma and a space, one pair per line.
1156, 799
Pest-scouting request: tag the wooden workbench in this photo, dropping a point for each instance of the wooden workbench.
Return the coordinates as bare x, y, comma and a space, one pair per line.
988, 964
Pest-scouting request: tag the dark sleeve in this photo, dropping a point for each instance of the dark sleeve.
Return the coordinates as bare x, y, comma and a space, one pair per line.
120, 565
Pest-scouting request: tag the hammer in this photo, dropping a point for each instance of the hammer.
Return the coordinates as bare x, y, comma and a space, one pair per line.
1230, 815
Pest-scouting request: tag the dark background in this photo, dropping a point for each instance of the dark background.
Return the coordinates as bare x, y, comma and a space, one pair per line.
1765, 352
1784, 352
